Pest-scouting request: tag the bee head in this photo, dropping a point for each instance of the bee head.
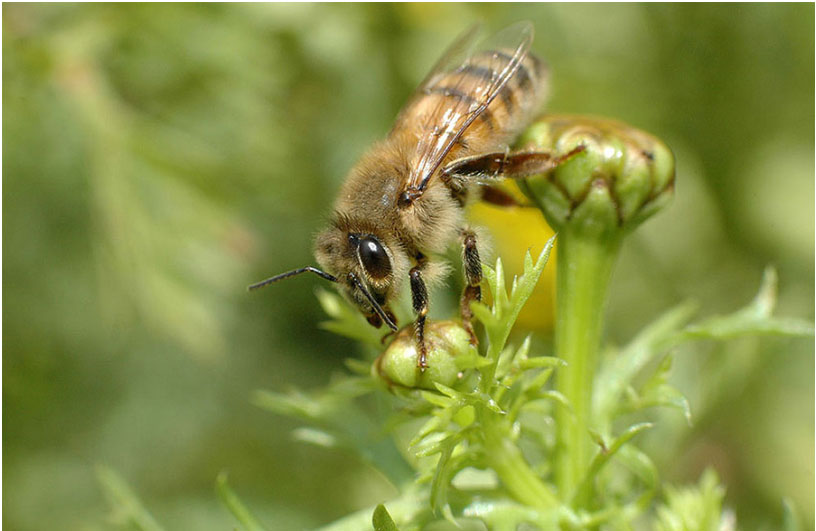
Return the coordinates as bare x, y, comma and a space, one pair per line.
364, 265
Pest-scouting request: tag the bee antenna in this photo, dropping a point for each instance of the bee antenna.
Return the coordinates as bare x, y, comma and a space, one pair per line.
374, 303
307, 269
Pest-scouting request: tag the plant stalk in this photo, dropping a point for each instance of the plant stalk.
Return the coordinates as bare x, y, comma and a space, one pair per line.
506, 459
585, 262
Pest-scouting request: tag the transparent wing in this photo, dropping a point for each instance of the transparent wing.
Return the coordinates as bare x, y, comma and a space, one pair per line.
455, 55
469, 77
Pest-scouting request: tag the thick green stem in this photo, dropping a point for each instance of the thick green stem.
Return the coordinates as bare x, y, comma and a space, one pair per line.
506, 459
611, 177
585, 262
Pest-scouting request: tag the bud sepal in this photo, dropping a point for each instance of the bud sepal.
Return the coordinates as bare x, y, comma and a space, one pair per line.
622, 176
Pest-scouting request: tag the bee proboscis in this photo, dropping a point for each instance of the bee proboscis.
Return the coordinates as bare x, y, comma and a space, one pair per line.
403, 203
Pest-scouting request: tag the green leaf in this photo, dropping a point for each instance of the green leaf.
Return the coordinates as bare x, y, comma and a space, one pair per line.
542, 361
411, 502
506, 357
490, 404
316, 437
320, 405
667, 396
347, 321
617, 374
538, 380
602, 457
448, 391
733, 326
504, 515
482, 313
437, 399
128, 509
382, 521
506, 306
645, 470
500, 318
292, 404
754, 319
554, 396
656, 393
337, 420
695, 508
359, 367
438, 423
442, 477
235, 505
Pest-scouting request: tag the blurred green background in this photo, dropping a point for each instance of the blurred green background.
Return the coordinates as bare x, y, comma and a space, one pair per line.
158, 158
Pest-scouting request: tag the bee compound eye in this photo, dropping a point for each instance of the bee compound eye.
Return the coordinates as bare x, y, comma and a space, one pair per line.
374, 258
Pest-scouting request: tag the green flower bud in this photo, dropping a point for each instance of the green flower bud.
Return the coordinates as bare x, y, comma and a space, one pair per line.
449, 354
622, 176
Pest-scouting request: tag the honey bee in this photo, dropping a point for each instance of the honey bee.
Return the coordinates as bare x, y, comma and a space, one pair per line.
403, 203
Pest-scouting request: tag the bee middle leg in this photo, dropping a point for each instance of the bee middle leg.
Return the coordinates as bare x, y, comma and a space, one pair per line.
506, 165
419, 299
473, 275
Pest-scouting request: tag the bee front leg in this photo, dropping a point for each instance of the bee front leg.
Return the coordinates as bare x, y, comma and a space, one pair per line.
473, 275
506, 165
419, 298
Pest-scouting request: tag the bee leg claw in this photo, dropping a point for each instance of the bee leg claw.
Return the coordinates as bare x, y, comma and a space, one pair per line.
422, 363
386, 337
468, 326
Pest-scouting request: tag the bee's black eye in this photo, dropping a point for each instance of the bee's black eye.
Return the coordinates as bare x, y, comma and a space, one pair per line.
374, 258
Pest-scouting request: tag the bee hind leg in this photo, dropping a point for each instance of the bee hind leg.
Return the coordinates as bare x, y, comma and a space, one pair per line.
506, 165
473, 275
419, 299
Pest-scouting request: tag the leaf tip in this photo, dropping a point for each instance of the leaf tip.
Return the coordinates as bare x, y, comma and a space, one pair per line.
381, 520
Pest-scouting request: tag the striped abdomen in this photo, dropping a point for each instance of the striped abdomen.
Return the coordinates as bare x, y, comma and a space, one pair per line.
447, 96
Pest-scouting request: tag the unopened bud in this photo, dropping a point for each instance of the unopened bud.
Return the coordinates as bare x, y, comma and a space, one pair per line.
622, 176
449, 353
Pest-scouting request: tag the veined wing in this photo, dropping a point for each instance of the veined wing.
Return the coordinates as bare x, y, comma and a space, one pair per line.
468, 78
454, 56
